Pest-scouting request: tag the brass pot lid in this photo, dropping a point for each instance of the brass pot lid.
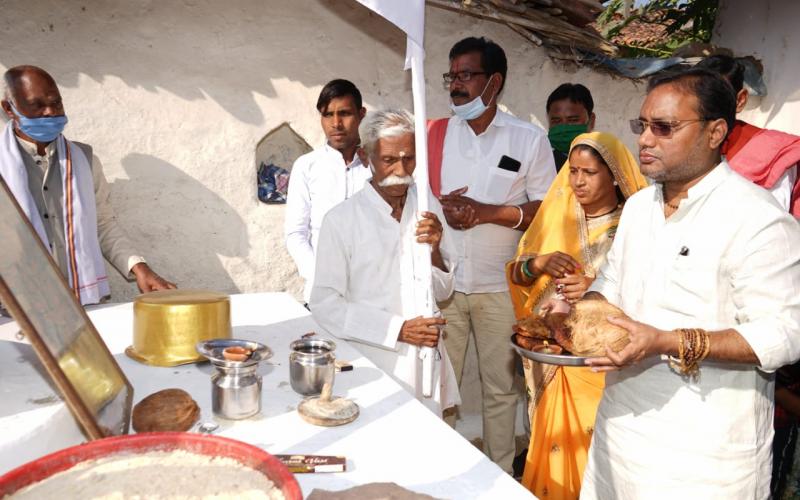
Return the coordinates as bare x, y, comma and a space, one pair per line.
181, 297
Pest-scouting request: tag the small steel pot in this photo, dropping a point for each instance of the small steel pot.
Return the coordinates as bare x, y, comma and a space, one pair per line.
235, 385
311, 365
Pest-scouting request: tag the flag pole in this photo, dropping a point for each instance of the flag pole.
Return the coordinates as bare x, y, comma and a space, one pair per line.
422, 271
409, 16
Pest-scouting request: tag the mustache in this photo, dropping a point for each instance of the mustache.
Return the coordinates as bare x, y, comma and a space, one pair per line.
396, 180
458, 93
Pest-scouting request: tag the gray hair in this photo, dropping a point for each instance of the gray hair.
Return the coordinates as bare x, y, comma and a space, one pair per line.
384, 123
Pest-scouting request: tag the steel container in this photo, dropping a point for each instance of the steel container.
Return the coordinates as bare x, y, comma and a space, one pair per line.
311, 365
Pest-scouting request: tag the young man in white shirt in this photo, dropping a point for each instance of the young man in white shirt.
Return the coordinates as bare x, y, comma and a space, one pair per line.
495, 170
707, 267
326, 176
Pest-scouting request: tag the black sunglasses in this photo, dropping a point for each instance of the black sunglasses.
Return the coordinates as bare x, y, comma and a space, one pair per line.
659, 128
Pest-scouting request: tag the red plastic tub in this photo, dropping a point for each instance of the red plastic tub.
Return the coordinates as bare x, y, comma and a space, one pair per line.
202, 444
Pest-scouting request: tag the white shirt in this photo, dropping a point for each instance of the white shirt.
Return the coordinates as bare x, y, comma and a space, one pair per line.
470, 160
782, 190
364, 274
658, 435
319, 181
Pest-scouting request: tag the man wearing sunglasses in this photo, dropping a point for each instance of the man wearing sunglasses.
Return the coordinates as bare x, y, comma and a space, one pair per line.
707, 267
490, 171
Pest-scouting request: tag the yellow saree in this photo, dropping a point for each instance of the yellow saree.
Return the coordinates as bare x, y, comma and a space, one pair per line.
563, 401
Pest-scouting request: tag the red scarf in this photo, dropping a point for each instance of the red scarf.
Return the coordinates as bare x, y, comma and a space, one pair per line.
437, 129
763, 156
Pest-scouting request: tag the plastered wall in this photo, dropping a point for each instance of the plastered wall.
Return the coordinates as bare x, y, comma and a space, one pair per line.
767, 30
175, 96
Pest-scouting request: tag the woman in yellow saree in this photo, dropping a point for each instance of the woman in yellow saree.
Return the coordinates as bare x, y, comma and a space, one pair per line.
557, 259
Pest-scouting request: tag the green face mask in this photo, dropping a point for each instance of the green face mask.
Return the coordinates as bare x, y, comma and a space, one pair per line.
562, 135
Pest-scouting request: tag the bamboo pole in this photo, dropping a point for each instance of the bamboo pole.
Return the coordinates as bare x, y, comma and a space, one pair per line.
526, 34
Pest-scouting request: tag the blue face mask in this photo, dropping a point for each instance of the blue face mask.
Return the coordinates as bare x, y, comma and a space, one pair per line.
473, 108
42, 129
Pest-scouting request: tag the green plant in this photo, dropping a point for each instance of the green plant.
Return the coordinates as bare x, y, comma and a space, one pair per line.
683, 21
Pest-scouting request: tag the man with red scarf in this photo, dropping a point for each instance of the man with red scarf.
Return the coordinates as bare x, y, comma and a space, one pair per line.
767, 157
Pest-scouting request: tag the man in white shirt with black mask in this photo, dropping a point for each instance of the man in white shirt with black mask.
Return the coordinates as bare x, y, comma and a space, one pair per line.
491, 170
707, 266
326, 176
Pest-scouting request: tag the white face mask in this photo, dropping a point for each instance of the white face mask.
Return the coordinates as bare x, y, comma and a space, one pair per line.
473, 108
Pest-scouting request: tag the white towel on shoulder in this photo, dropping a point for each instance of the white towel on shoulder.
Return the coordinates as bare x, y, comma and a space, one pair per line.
80, 214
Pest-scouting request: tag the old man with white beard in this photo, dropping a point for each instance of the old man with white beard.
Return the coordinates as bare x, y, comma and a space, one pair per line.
364, 281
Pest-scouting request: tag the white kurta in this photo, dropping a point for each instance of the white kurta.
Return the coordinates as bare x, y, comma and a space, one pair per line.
728, 258
472, 160
364, 273
320, 180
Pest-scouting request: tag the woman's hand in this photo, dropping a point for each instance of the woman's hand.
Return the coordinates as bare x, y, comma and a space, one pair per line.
556, 264
518, 277
573, 286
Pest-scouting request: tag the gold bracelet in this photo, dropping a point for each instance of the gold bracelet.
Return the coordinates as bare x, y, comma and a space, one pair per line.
694, 345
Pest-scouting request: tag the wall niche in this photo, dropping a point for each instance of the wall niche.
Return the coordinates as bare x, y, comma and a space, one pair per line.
275, 155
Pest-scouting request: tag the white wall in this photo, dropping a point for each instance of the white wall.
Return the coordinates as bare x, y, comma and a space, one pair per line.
768, 30
174, 97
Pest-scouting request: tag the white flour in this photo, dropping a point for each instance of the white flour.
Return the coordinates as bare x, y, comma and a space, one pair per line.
174, 475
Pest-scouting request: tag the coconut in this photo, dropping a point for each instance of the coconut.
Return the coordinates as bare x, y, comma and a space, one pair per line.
588, 331
167, 410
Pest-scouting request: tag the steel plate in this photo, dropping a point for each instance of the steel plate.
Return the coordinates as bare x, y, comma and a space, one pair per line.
550, 359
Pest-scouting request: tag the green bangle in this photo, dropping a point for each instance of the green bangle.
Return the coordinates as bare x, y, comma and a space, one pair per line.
525, 269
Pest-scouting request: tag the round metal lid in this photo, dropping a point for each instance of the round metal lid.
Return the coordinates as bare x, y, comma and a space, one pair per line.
212, 349
181, 297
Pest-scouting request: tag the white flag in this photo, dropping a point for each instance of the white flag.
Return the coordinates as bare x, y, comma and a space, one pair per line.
409, 16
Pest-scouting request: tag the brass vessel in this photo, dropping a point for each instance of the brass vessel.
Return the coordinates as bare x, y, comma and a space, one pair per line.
168, 324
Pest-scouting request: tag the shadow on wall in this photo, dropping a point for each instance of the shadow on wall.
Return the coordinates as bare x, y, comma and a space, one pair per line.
193, 49
211, 228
